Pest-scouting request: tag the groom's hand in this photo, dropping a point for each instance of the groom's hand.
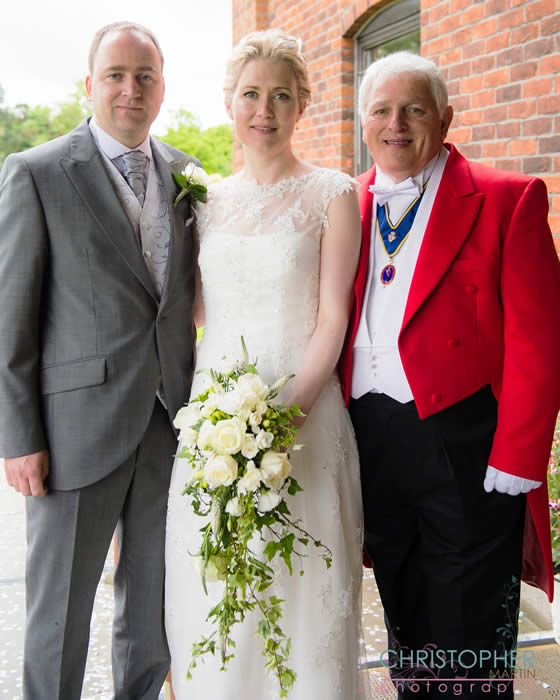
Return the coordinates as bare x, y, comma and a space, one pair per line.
27, 474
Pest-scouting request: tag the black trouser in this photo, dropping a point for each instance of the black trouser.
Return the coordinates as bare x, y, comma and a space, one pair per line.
446, 555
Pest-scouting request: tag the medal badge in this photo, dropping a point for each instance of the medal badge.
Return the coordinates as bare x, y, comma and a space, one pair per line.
393, 237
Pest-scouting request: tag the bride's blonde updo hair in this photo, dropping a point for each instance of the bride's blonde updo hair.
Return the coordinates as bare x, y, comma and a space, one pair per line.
272, 44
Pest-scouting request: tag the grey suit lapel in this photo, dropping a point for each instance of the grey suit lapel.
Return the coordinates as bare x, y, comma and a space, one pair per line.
87, 173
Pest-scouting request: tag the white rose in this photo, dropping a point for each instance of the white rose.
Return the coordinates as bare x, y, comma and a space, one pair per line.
220, 470
268, 500
249, 448
251, 480
227, 366
264, 439
228, 436
205, 435
275, 469
230, 402
210, 405
196, 175
233, 507
215, 568
187, 416
188, 437
252, 388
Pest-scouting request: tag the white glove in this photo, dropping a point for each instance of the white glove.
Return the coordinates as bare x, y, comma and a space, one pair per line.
507, 483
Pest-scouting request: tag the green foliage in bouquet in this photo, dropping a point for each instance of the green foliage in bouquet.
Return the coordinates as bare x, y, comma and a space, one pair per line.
237, 441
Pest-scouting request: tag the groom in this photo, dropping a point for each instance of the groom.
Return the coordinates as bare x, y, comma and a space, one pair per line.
96, 346
453, 370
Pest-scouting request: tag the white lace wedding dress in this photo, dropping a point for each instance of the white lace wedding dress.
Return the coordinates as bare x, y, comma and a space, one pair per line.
259, 259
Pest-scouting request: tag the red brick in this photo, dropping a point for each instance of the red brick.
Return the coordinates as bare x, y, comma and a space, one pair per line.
458, 5
497, 77
460, 70
499, 41
555, 205
537, 127
538, 10
511, 165
439, 12
461, 103
474, 49
437, 45
494, 149
483, 98
460, 135
523, 71
483, 64
520, 35
510, 56
536, 165
548, 105
549, 144
508, 93
522, 110
472, 84
549, 64
550, 25
472, 151
448, 57
483, 29
537, 87
473, 116
521, 147
554, 223
495, 7
539, 47
473, 14
496, 114
509, 130
484, 133
511, 19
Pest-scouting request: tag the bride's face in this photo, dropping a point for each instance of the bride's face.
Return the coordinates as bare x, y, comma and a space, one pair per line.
265, 106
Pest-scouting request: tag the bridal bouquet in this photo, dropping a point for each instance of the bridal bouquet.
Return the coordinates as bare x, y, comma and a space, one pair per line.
237, 441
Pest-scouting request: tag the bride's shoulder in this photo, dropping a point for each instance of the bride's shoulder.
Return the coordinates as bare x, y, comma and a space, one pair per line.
331, 183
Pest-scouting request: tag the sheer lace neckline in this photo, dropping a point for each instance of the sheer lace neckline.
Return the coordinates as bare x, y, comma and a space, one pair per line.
242, 178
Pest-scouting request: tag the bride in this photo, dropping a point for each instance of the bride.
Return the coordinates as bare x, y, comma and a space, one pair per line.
279, 245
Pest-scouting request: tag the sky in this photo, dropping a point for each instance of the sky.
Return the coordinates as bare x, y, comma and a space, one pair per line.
44, 47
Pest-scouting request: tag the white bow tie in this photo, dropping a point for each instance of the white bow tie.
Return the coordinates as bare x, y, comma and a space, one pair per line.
386, 192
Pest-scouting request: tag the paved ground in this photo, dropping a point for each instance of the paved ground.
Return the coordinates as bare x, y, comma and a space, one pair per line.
535, 622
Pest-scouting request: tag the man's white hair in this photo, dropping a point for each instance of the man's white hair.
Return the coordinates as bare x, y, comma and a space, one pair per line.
396, 64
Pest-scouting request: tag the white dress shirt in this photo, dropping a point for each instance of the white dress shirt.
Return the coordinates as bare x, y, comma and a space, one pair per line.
377, 365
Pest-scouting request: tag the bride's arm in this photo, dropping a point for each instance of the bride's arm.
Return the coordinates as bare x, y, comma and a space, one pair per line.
340, 248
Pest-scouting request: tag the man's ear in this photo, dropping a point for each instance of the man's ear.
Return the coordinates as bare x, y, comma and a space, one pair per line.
446, 120
87, 83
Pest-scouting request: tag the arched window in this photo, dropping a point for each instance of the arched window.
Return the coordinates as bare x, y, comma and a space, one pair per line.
394, 28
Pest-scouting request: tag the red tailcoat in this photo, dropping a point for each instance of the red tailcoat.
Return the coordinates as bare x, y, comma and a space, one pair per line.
484, 308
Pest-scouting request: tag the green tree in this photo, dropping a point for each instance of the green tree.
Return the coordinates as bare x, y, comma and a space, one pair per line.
24, 126
213, 147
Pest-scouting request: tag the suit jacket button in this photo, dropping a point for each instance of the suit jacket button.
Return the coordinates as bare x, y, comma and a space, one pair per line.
435, 398
471, 289
453, 343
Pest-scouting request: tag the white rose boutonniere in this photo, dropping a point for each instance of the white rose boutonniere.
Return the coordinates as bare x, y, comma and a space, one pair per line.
194, 182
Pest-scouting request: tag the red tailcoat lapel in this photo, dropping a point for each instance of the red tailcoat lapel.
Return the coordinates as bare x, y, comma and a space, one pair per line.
458, 204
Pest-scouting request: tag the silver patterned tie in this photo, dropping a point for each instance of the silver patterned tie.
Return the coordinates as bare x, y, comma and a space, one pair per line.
132, 166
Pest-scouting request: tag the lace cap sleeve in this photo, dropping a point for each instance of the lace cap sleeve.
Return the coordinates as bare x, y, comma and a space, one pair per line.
334, 183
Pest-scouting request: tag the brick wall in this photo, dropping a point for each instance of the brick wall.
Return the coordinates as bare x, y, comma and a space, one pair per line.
501, 60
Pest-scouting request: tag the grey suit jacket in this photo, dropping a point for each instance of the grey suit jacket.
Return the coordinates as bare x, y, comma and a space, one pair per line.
83, 340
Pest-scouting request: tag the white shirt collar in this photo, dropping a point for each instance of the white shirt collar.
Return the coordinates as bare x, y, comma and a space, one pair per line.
113, 148
420, 178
